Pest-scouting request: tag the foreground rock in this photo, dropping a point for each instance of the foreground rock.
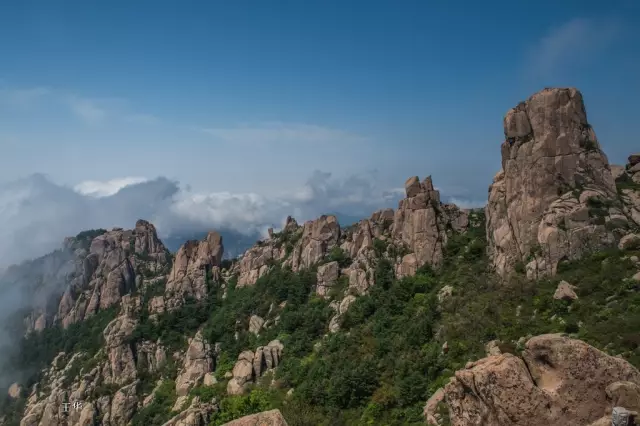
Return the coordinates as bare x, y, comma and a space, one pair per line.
558, 381
266, 418
555, 197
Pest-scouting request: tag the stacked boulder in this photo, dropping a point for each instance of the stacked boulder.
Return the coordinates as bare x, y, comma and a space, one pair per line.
253, 365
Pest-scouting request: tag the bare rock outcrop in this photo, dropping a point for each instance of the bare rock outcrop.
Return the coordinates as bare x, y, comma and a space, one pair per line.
253, 365
255, 262
196, 264
265, 418
558, 381
421, 224
198, 414
198, 361
340, 308
111, 266
555, 197
327, 276
628, 182
565, 291
318, 237
121, 365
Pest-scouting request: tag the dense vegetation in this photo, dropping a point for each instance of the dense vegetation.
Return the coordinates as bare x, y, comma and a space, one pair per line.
388, 357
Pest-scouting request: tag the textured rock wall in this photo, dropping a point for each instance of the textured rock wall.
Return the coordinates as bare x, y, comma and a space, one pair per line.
555, 196
558, 381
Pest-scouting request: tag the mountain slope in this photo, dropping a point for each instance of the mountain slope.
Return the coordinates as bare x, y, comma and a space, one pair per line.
352, 325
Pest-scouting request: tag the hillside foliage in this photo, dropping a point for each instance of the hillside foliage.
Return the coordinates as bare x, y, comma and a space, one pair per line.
388, 356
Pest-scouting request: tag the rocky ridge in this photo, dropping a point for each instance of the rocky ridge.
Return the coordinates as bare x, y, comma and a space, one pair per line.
570, 202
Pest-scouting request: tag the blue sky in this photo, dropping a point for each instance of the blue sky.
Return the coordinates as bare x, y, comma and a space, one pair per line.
250, 97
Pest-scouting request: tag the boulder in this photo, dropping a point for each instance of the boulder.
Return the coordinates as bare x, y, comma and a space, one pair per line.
255, 324
431, 407
629, 242
198, 361
197, 414
326, 277
341, 309
558, 381
555, 191
266, 418
252, 365
565, 291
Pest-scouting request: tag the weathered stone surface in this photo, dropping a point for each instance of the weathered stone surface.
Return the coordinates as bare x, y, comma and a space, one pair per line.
326, 277
431, 407
421, 223
255, 262
252, 365
193, 262
198, 361
104, 269
318, 237
629, 242
198, 414
408, 266
558, 381
121, 367
266, 418
255, 324
124, 404
565, 291
540, 204
341, 309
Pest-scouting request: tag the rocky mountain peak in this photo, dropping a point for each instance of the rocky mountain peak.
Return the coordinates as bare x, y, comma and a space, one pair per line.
555, 197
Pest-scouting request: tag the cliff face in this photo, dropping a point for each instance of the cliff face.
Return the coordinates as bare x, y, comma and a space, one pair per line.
91, 273
555, 197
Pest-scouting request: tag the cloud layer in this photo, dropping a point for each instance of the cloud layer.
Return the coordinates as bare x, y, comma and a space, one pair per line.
36, 214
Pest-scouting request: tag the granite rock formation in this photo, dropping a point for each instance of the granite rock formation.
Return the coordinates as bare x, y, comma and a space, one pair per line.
195, 268
558, 381
555, 196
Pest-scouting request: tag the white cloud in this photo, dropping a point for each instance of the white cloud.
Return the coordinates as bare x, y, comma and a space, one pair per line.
86, 109
571, 44
36, 214
278, 132
95, 188
23, 98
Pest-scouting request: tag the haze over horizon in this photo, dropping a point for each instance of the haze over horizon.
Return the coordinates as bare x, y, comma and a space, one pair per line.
238, 114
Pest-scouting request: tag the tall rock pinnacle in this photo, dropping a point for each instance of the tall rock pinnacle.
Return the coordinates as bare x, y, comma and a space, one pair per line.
555, 197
